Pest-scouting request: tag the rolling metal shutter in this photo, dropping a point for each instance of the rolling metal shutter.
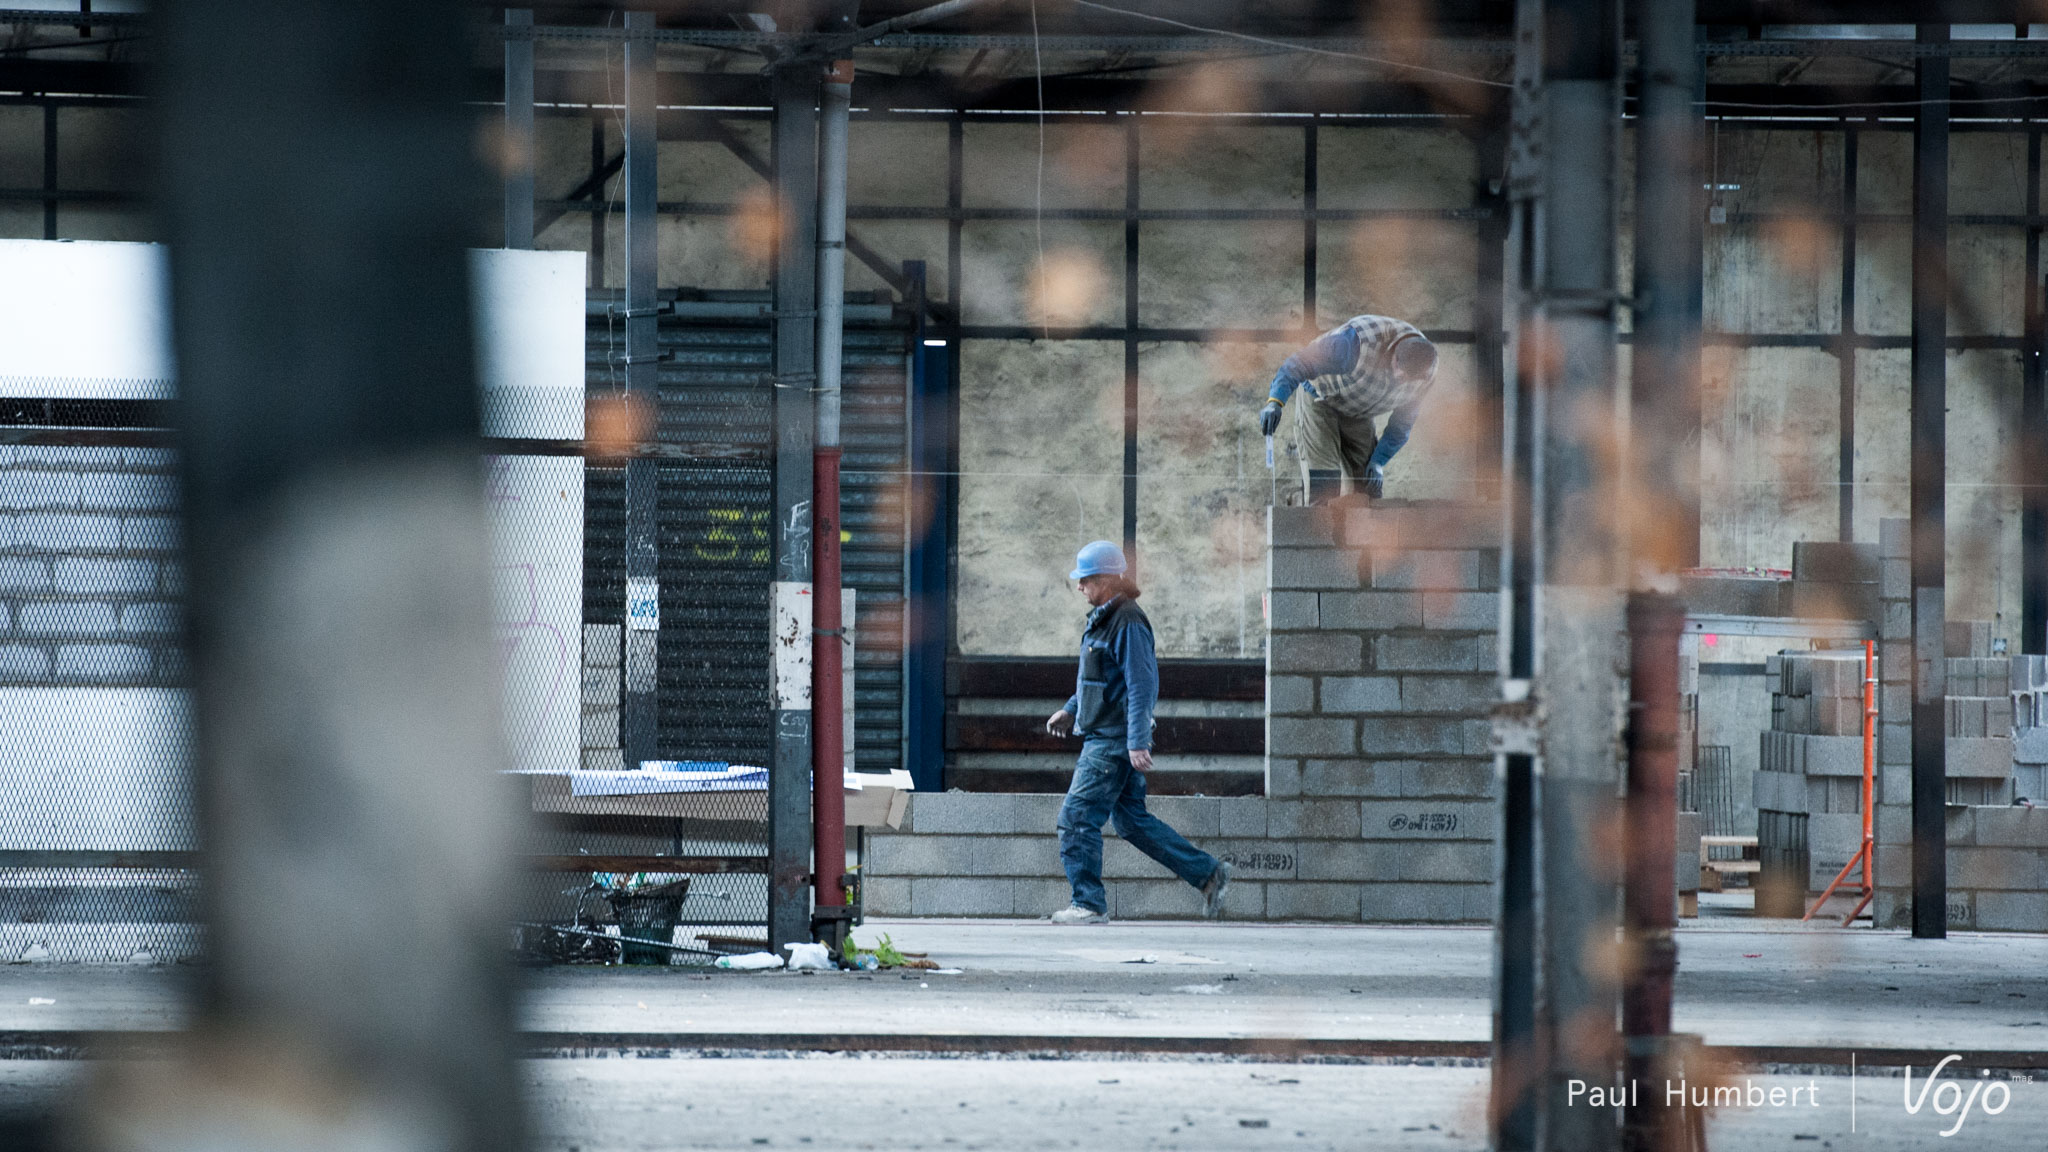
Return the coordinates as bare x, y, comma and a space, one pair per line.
714, 521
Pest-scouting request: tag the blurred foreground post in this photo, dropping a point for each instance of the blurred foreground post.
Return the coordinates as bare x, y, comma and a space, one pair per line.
319, 191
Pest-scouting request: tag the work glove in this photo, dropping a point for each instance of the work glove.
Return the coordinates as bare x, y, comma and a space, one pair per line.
1269, 418
1375, 480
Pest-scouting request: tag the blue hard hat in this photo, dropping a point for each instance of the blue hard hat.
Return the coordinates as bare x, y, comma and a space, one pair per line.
1098, 559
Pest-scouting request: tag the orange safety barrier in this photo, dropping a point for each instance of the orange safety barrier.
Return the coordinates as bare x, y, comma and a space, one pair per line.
1865, 855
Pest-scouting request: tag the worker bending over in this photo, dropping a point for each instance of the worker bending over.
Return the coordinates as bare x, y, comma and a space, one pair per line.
1367, 366
1111, 710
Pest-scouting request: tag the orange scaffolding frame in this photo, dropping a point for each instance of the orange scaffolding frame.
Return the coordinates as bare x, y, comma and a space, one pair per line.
1866, 853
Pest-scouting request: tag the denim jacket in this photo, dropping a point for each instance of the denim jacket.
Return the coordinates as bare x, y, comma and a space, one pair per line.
1118, 684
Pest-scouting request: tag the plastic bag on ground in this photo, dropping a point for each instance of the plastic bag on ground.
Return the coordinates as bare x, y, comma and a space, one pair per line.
750, 960
803, 956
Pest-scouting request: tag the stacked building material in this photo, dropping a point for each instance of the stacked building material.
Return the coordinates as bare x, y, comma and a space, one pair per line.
2028, 681
1834, 581
1979, 712
1808, 787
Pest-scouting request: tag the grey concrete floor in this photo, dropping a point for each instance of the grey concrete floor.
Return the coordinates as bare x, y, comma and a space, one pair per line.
911, 1105
1739, 982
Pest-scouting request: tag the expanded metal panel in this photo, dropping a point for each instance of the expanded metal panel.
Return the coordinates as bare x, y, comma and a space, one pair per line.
873, 498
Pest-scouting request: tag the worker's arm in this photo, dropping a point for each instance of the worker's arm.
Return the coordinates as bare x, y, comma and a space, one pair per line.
1061, 722
1399, 425
1141, 687
1326, 355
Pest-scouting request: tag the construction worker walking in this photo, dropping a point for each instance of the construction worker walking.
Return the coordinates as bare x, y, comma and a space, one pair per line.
1111, 710
1366, 367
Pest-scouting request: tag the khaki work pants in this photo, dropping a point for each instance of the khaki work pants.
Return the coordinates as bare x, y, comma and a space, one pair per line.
1328, 441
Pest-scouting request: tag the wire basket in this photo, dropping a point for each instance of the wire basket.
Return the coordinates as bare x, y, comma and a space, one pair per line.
648, 914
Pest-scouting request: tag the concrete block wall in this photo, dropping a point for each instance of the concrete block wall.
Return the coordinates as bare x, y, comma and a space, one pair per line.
90, 576
1379, 780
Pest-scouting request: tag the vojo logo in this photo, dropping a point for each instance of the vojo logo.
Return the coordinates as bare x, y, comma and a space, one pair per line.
1949, 1099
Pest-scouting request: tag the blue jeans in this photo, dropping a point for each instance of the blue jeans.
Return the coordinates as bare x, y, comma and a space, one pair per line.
1106, 787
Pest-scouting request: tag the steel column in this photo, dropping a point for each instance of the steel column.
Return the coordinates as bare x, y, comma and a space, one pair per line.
1665, 370
1845, 352
929, 594
2033, 437
1310, 178
49, 170
1927, 501
597, 219
357, 871
828, 748
796, 91
1489, 297
517, 154
1131, 154
1651, 898
640, 712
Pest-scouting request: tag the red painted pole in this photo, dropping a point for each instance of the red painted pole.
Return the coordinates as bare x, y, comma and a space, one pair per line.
828, 693
1650, 889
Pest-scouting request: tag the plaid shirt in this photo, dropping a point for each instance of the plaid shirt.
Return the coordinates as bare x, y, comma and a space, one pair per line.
1350, 369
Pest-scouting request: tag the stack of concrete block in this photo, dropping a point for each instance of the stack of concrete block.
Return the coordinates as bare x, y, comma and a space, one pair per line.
601, 687
90, 577
1978, 709
1380, 677
1810, 767
2028, 685
1834, 580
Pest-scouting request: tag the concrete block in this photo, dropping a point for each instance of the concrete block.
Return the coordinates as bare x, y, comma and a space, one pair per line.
1447, 779
2012, 827
1469, 862
2019, 869
24, 575
2027, 673
1371, 611
1987, 757
88, 576
1832, 755
1895, 620
1288, 527
1778, 791
1421, 736
1243, 816
1038, 897
1154, 900
1035, 856
1356, 861
971, 813
2012, 911
1831, 839
1832, 601
1966, 637
1314, 652
102, 663
1461, 610
600, 688
1895, 538
604, 760
1895, 580
601, 645
1895, 785
125, 491
20, 662
65, 618
1895, 743
1194, 817
1311, 736
24, 490
601, 728
1033, 813
1894, 824
1290, 695
1426, 570
1356, 694
1838, 716
1834, 561
1962, 910
1998, 716
885, 896
1434, 653
1315, 568
150, 534
1121, 861
1415, 903
2030, 745
1302, 900
899, 855
1261, 859
1312, 820
1895, 701
1245, 900
959, 896
68, 532
151, 618
1426, 820
1283, 777
1330, 778
1292, 611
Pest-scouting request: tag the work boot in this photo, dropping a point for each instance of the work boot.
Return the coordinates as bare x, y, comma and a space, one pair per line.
1213, 890
1075, 914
